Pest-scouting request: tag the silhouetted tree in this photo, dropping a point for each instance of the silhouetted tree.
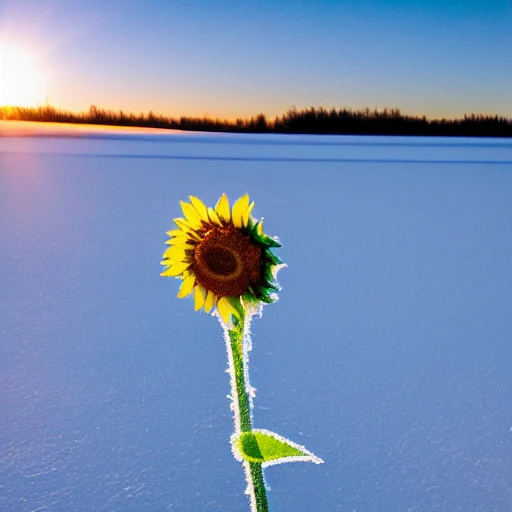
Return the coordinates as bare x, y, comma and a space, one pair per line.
310, 120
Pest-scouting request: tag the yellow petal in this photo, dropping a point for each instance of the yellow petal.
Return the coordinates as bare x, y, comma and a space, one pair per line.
259, 229
210, 301
186, 286
200, 207
222, 208
224, 309
178, 233
214, 217
177, 253
199, 296
175, 232
239, 208
233, 302
181, 244
176, 269
191, 215
247, 214
183, 224
194, 235
183, 238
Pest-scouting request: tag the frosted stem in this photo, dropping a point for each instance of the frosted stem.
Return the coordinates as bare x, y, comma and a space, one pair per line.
236, 341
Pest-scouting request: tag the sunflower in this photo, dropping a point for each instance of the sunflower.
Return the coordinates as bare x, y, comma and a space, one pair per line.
222, 256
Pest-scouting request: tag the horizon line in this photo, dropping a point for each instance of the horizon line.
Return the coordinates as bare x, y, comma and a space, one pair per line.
284, 113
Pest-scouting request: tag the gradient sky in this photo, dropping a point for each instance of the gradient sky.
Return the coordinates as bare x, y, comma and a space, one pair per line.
237, 58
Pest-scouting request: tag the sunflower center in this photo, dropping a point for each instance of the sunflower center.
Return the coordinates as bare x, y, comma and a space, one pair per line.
221, 260
226, 262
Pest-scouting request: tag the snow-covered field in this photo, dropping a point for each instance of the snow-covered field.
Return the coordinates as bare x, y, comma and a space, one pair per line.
389, 353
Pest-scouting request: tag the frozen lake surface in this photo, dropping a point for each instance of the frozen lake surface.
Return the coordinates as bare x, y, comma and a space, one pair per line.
388, 354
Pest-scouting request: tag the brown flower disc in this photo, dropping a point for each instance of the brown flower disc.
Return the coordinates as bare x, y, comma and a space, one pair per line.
226, 262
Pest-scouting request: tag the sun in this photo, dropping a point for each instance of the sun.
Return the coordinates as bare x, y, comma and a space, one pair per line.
21, 81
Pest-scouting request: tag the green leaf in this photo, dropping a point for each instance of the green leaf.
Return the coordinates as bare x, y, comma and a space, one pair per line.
269, 448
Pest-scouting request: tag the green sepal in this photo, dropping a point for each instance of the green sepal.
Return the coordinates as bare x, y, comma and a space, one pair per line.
268, 448
265, 296
237, 305
272, 258
262, 239
250, 297
265, 240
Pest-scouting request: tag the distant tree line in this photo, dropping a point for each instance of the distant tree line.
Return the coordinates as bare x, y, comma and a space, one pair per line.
306, 121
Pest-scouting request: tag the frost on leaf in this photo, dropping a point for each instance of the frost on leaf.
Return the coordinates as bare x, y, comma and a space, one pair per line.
269, 448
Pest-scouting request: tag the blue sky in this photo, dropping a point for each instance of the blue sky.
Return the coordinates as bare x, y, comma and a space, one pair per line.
233, 58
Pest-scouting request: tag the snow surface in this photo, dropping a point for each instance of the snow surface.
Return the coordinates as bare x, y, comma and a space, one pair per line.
388, 354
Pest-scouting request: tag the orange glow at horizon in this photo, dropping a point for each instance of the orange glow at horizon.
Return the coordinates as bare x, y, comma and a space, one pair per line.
22, 84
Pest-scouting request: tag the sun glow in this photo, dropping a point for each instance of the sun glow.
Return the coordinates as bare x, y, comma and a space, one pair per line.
21, 82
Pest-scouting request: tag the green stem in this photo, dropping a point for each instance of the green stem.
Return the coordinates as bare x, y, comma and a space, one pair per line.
243, 420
